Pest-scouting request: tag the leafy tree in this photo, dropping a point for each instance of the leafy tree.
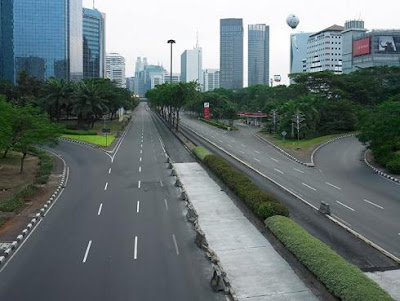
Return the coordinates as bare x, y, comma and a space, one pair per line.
57, 96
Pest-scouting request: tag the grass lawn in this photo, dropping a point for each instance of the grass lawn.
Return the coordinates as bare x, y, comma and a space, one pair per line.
99, 140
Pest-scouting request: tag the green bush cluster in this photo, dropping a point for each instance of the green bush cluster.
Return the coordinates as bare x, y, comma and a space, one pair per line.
17, 202
262, 204
394, 164
344, 280
78, 132
200, 152
45, 166
218, 124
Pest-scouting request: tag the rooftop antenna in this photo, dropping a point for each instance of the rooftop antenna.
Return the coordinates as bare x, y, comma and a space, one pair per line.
197, 39
93, 4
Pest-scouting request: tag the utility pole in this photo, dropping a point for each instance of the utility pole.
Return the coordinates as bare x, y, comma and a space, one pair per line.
274, 113
171, 42
298, 118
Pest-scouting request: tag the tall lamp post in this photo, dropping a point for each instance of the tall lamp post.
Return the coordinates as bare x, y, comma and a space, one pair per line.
171, 42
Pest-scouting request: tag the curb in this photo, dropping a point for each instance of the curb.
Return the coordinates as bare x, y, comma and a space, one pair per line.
219, 281
309, 164
334, 220
379, 172
38, 216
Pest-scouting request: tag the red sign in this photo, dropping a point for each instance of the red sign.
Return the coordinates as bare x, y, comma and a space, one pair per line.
207, 111
361, 47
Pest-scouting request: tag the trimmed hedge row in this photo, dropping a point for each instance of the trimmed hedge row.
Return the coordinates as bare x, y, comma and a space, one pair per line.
218, 125
342, 279
262, 204
78, 132
200, 152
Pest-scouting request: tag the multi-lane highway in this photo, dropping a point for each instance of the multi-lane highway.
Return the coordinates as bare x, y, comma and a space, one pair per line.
116, 233
358, 198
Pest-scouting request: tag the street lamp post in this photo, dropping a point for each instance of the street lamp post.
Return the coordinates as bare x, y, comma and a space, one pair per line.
171, 42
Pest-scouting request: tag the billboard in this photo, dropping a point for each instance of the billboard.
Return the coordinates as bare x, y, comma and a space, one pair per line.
389, 44
207, 111
361, 47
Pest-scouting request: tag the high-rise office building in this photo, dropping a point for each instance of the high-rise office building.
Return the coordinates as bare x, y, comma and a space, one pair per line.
94, 55
115, 69
211, 79
324, 50
192, 66
130, 84
176, 78
140, 65
258, 55
231, 53
42, 37
298, 52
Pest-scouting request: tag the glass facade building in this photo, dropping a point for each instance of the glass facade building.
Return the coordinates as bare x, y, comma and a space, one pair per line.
42, 37
231, 53
258, 55
93, 44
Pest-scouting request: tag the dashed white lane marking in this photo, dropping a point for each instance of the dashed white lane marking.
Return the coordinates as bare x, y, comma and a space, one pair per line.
298, 170
101, 207
140, 159
176, 245
280, 171
334, 186
257, 152
213, 137
139, 184
166, 204
274, 160
137, 207
109, 171
161, 183
312, 188
229, 145
256, 159
221, 141
242, 152
141, 145
135, 248
106, 186
344, 205
140, 168
141, 151
373, 204
242, 145
87, 251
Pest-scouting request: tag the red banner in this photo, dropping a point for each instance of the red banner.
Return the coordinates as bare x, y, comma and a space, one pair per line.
361, 47
207, 111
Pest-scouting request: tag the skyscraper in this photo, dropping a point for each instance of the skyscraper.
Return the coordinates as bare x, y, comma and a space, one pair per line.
258, 55
231, 53
42, 37
211, 79
139, 76
94, 56
115, 69
298, 52
192, 66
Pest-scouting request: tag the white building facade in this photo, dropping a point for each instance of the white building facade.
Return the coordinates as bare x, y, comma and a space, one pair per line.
324, 50
192, 66
211, 79
115, 69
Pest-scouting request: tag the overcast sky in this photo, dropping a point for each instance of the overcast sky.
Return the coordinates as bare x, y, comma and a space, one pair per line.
142, 27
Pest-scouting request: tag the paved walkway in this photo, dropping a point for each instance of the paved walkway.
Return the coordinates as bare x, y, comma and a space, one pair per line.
256, 271
389, 281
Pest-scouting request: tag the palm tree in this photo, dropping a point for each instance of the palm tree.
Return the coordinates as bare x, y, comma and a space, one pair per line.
89, 102
57, 96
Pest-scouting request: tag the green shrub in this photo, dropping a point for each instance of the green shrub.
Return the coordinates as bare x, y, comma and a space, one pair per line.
218, 124
45, 166
200, 152
261, 203
78, 132
344, 280
394, 165
15, 204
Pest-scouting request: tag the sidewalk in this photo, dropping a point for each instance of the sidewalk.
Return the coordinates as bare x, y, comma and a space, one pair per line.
256, 271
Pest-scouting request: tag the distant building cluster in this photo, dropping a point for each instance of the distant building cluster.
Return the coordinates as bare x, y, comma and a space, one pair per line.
48, 38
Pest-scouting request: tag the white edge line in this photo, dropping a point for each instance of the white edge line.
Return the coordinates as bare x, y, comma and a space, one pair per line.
135, 249
87, 251
344, 205
176, 245
334, 220
373, 204
100, 208
342, 220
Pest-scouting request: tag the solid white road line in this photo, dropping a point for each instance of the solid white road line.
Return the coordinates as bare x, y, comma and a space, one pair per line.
87, 251
280, 171
344, 205
343, 221
139, 184
298, 170
105, 187
274, 160
176, 245
137, 207
140, 168
109, 171
373, 204
135, 249
327, 183
257, 152
312, 188
101, 207
166, 204
256, 159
